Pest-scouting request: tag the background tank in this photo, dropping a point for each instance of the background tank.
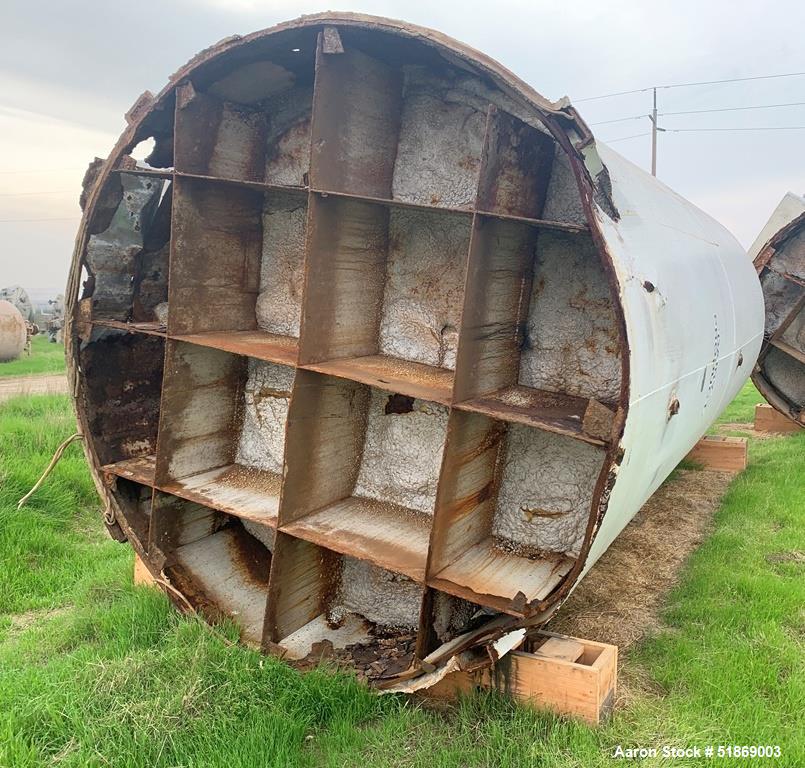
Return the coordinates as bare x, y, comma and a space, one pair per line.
780, 370
428, 347
791, 206
13, 332
18, 296
55, 320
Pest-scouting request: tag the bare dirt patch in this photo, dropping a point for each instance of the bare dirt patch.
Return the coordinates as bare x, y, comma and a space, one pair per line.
22, 621
794, 556
39, 384
746, 430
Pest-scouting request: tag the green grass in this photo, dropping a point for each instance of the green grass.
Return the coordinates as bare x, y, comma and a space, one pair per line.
44, 358
742, 409
96, 672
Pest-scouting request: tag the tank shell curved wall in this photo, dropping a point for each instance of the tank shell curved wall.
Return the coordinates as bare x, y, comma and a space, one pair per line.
689, 355
426, 347
13, 334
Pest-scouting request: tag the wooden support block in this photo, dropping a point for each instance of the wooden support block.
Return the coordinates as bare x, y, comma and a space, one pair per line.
546, 679
727, 454
768, 419
142, 576
565, 648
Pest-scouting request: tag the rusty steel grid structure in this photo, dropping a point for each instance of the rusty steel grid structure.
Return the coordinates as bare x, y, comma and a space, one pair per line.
370, 347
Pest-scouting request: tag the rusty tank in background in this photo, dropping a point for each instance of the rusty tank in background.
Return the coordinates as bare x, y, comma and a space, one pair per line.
382, 343
779, 255
13, 332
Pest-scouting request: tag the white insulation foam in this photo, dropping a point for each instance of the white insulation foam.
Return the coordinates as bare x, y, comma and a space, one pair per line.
390, 600
279, 304
572, 329
546, 490
266, 397
424, 286
402, 453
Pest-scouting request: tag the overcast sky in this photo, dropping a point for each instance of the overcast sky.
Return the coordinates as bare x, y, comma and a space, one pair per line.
69, 70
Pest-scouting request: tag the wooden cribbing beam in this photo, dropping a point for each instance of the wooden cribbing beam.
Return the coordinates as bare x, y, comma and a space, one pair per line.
728, 454
142, 576
767, 419
566, 675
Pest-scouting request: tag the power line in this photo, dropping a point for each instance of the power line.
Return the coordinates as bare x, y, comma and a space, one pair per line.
610, 95
619, 120
734, 80
655, 114
688, 85
706, 130
623, 138
701, 111
735, 109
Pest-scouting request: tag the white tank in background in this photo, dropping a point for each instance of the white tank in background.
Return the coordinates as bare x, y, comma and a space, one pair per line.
791, 206
18, 296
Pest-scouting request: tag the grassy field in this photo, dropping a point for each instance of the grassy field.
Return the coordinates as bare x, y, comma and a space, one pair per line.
44, 358
96, 672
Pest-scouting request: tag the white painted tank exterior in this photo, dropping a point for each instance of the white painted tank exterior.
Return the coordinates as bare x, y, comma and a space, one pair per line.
685, 338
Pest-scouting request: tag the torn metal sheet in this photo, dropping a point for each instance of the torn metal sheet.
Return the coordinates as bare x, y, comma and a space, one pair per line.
426, 680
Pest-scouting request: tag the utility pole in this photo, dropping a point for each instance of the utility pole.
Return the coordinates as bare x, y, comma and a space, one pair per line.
654, 129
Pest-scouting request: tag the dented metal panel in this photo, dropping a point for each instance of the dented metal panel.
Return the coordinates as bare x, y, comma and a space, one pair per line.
427, 346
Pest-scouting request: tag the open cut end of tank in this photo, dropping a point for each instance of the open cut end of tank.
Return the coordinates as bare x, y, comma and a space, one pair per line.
368, 354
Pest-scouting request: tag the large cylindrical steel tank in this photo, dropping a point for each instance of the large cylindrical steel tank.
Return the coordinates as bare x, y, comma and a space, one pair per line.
13, 333
779, 373
383, 337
